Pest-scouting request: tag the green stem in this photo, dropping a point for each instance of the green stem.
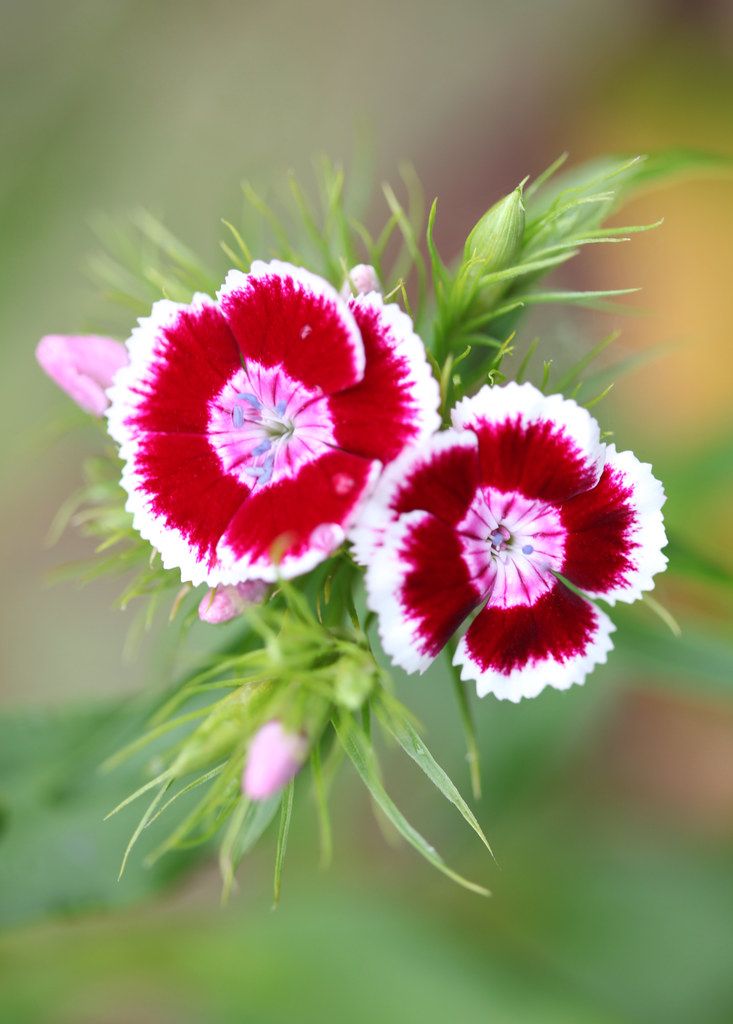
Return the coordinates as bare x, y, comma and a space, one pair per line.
469, 727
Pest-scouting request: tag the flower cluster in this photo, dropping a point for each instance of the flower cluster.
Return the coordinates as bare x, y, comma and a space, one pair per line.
261, 430
289, 422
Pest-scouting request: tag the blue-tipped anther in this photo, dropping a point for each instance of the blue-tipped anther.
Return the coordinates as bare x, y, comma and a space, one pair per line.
237, 417
253, 400
267, 469
262, 447
497, 538
527, 549
281, 407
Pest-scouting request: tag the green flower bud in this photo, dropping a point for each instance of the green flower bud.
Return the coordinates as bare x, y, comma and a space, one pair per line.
353, 682
230, 720
496, 239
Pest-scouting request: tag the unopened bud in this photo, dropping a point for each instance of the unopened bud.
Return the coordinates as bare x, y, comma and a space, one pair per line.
84, 365
275, 756
353, 682
227, 724
497, 238
361, 280
227, 602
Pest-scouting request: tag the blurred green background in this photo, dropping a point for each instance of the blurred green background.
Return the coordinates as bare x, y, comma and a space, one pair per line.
610, 807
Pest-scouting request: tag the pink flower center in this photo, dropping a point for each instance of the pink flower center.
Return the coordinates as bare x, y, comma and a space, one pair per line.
512, 545
264, 426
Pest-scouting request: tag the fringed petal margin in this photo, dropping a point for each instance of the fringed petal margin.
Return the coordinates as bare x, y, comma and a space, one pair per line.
516, 652
396, 404
615, 533
545, 447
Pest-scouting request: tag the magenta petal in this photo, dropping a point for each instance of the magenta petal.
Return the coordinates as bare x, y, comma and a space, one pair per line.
274, 758
83, 365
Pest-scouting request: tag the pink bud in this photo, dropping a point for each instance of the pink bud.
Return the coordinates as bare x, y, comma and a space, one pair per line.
361, 279
275, 757
83, 365
225, 603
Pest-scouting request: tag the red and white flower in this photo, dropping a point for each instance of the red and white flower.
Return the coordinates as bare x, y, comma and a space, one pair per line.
253, 427
485, 516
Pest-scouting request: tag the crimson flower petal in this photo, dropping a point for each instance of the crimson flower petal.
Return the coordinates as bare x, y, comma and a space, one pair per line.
516, 652
396, 404
285, 316
242, 459
290, 526
615, 532
439, 476
545, 447
420, 584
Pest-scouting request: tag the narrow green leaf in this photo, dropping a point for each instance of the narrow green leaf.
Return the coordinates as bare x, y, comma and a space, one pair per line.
521, 269
268, 215
440, 272
200, 781
664, 614
361, 757
247, 824
286, 811
410, 741
540, 180
243, 247
145, 788
321, 798
575, 371
599, 397
142, 825
411, 244
523, 366
588, 298
152, 734
626, 365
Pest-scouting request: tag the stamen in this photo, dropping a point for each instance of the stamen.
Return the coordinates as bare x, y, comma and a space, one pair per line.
281, 407
497, 538
527, 549
263, 473
253, 400
262, 447
266, 474
237, 417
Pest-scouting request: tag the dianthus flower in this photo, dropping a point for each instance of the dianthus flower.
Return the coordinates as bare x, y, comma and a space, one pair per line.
253, 426
485, 518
